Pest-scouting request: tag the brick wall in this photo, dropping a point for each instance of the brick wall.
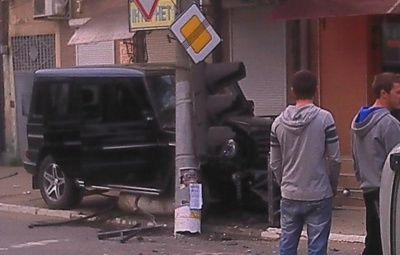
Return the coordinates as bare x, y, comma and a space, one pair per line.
159, 48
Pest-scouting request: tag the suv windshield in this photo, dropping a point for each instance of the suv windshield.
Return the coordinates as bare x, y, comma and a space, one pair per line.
162, 89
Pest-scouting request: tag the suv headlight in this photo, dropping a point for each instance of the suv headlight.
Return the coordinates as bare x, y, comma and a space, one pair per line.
229, 149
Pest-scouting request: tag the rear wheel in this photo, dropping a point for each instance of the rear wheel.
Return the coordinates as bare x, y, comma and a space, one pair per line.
58, 190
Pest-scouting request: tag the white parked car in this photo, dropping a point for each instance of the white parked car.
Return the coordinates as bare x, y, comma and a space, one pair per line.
390, 203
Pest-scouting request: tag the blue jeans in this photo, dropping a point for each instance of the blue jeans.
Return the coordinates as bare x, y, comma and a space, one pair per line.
317, 215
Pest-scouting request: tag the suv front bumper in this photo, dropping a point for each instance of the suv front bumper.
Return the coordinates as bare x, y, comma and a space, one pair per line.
30, 167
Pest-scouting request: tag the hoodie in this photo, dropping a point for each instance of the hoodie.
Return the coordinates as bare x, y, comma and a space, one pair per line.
305, 155
374, 133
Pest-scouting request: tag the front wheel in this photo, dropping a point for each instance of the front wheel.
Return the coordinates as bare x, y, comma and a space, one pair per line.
57, 189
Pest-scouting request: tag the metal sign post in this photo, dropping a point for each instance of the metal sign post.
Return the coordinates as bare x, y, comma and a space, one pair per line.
187, 189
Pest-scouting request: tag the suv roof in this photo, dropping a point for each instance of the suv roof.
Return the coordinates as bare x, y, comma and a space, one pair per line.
106, 70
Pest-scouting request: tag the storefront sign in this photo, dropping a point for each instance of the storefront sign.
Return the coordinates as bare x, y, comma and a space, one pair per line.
163, 16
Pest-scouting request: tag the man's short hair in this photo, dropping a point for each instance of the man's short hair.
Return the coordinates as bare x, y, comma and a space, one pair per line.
304, 85
385, 82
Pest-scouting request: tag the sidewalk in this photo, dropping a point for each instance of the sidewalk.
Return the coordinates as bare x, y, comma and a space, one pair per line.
16, 195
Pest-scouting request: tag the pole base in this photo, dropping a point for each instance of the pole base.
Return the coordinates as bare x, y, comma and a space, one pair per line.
187, 221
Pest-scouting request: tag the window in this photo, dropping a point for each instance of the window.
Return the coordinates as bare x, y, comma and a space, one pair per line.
39, 99
33, 52
53, 98
90, 102
391, 44
121, 103
59, 99
162, 87
111, 100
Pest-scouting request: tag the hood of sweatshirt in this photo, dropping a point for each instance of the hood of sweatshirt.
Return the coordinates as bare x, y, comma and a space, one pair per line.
296, 118
366, 119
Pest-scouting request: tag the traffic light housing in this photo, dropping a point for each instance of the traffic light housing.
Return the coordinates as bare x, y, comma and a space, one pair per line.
209, 104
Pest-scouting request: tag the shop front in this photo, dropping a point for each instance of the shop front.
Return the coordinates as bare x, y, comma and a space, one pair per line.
354, 41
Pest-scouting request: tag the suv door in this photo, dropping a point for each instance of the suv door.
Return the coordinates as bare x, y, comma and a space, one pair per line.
118, 141
53, 125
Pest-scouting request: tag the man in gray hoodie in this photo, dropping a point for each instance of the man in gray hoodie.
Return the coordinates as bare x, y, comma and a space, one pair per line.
374, 133
305, 158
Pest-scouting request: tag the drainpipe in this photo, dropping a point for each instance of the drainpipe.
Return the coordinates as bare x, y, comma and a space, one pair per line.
141, 48
318, 64
304, 44
3, 65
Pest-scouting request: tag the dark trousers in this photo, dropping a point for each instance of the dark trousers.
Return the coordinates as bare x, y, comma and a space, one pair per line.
373, 243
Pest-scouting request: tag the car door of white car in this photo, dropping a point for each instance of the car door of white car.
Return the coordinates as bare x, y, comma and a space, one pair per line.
390, 203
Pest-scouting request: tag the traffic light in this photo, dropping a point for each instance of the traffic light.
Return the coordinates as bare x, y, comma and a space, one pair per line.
210, 101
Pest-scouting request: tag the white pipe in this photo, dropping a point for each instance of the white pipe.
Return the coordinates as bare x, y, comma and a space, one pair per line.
304, 44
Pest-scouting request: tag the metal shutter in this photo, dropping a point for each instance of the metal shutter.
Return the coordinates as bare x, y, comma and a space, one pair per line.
159, 48
261, 45
101, 53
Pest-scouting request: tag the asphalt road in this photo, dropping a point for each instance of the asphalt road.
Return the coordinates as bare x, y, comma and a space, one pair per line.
17, 239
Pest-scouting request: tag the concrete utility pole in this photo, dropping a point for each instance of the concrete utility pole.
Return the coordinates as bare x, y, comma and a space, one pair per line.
3, 58
187, 218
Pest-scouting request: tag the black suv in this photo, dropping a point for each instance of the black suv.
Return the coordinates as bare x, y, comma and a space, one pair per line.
113, 128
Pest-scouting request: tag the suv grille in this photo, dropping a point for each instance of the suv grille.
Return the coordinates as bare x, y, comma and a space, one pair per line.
261, 138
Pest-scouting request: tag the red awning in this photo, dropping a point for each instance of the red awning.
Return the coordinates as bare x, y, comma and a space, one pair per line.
311, 9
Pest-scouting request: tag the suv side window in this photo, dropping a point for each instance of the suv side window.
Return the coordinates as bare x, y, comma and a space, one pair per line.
59, 99
111, 100
39, 98
121, 103
53, 99
91, 102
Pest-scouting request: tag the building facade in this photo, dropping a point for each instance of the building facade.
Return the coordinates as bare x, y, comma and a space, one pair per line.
348, 43
344, 47
58, 33
96, 32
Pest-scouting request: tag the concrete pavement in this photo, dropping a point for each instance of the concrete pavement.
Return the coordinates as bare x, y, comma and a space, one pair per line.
82, 239
16, 195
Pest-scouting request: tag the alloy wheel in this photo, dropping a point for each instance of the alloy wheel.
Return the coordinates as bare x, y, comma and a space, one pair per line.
54, 182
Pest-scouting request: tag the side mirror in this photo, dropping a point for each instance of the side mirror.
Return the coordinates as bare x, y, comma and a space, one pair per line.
250, 105
395, 162
148, 117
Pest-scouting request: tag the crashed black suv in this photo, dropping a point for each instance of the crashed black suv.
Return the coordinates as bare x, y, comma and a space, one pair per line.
113, 128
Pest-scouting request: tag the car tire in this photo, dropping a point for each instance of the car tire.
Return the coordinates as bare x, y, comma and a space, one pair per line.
58, 190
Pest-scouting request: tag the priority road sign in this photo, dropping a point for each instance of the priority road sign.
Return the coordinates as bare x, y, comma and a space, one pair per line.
195, 33
146, 7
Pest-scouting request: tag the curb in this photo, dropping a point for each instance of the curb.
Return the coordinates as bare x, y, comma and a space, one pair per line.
219, 253
65, 214
273, 234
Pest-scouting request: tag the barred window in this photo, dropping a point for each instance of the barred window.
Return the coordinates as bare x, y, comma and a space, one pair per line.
34, 52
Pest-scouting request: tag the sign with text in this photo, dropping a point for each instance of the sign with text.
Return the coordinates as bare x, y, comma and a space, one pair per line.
162, 18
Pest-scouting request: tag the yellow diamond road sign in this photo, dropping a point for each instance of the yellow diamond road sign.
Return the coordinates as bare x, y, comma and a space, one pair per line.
196, 35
